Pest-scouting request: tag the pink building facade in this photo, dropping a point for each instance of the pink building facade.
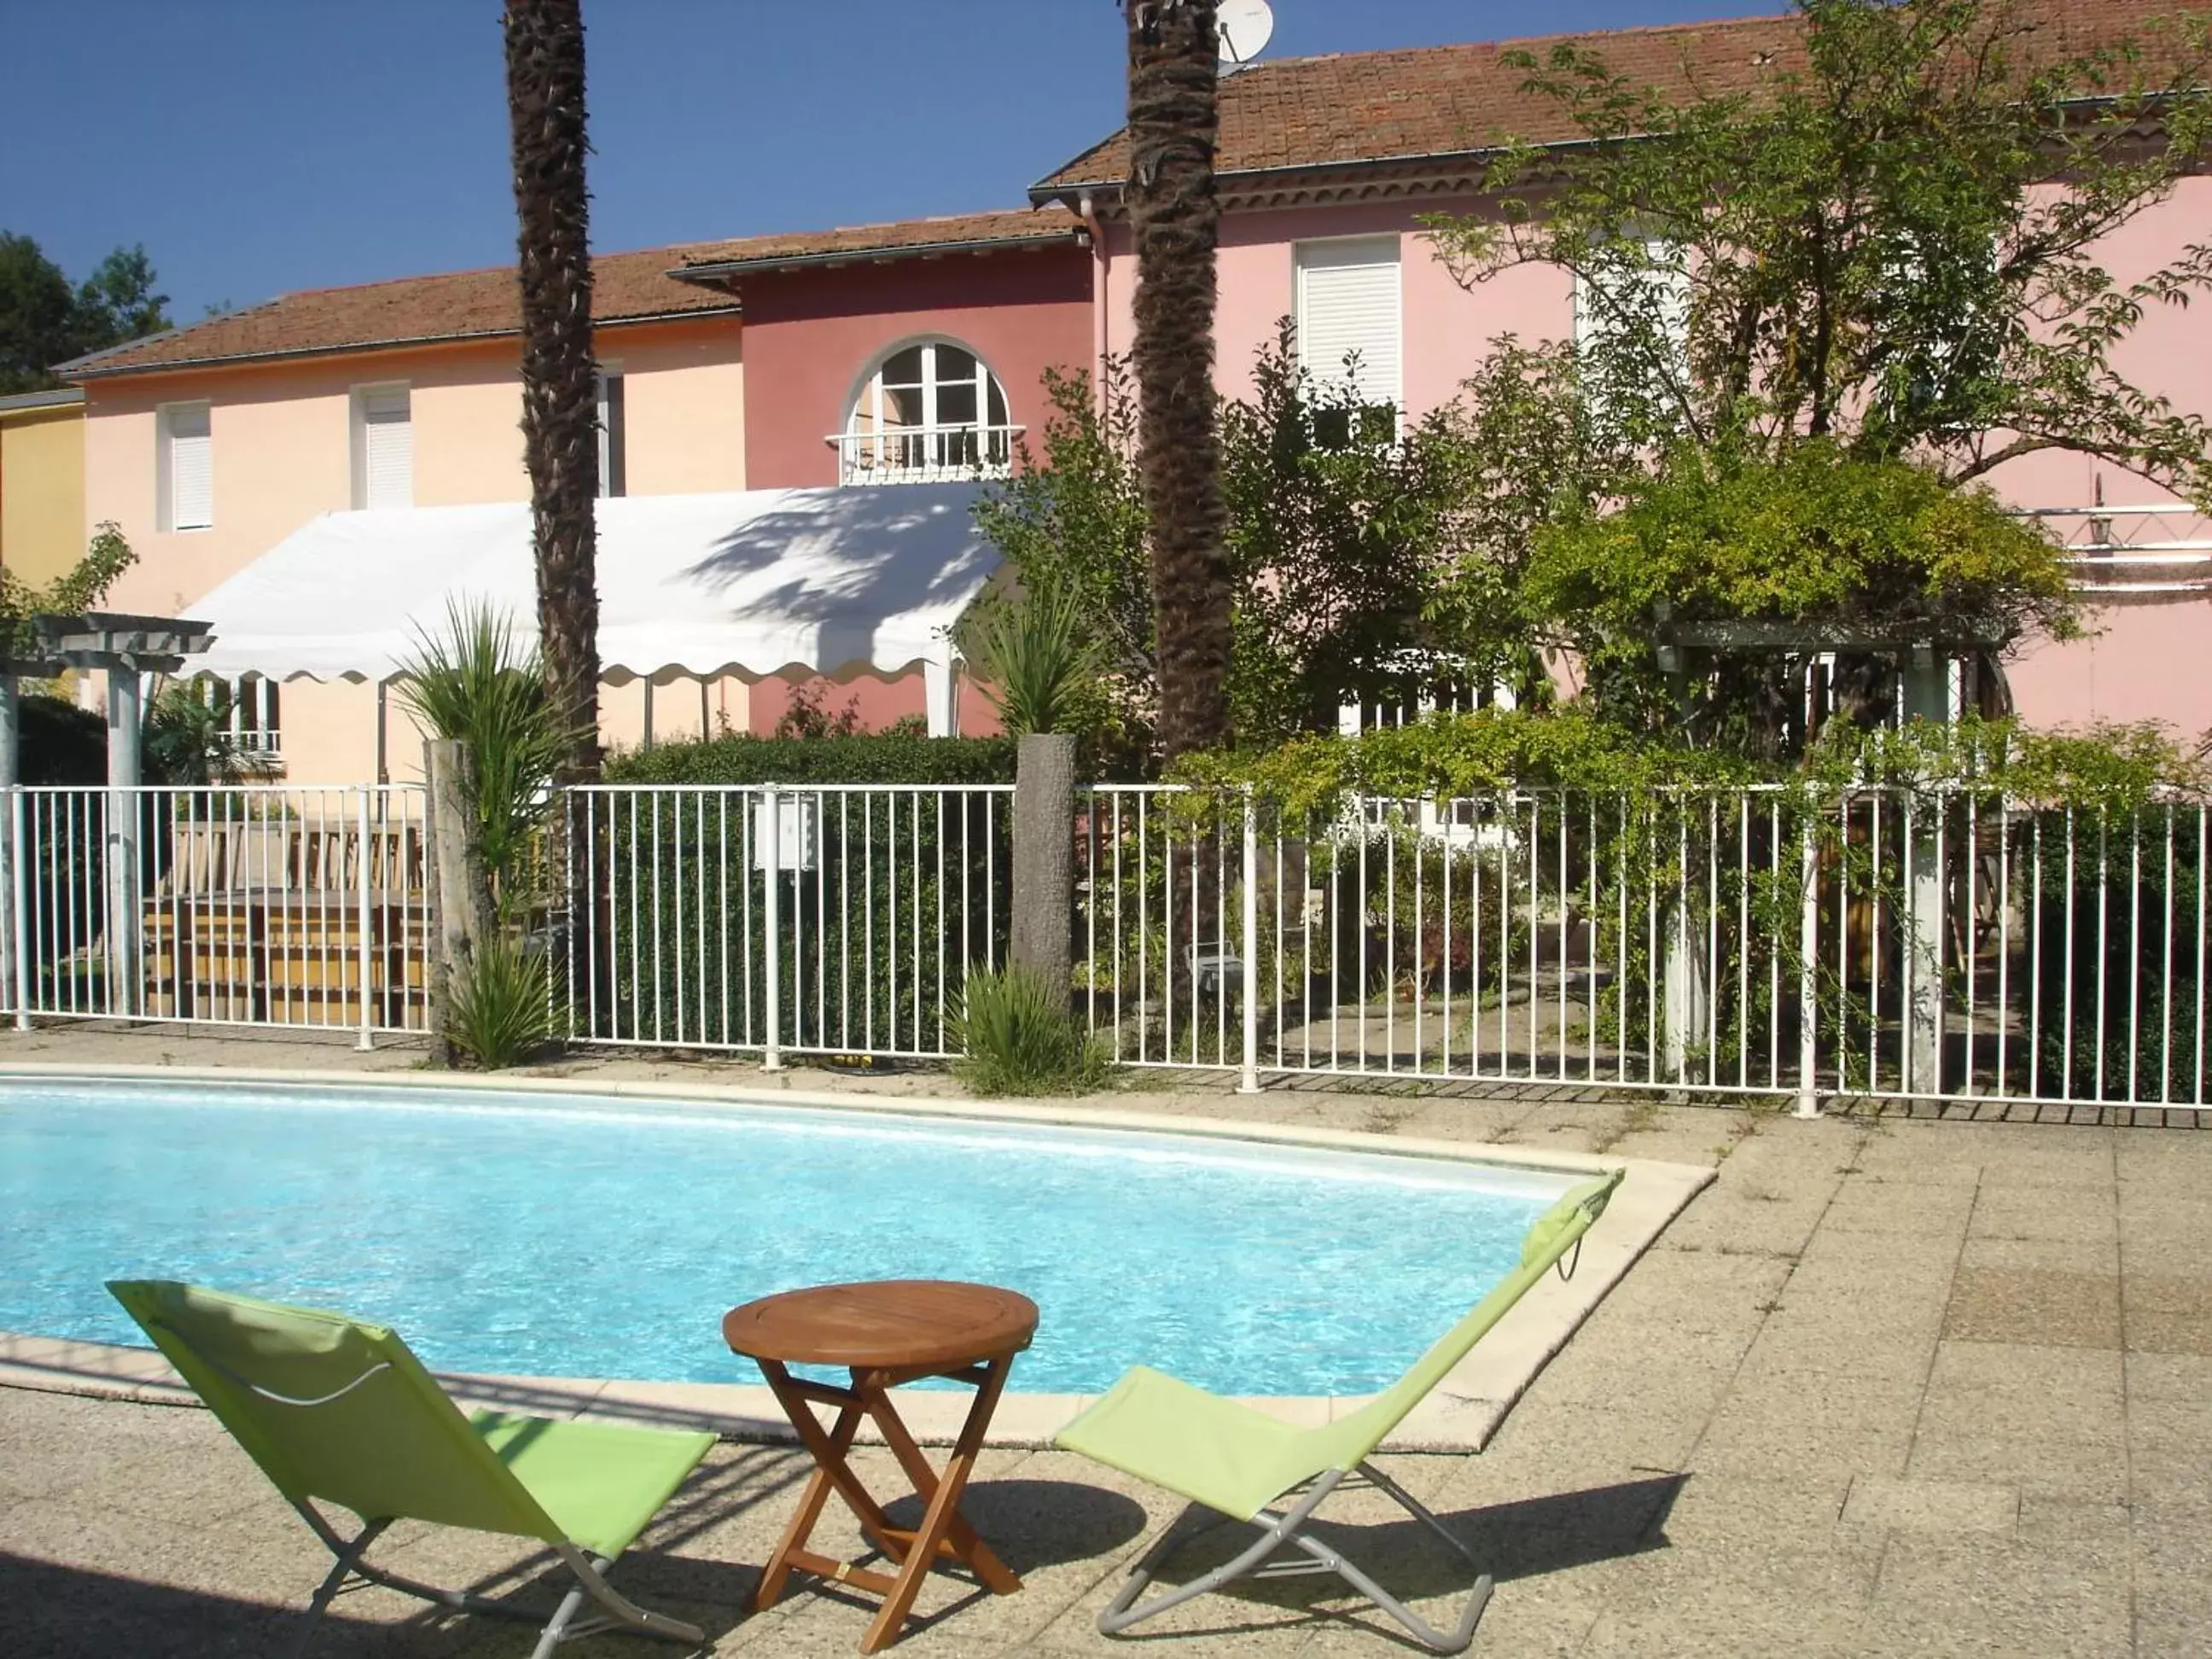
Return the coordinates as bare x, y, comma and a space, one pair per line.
917, 350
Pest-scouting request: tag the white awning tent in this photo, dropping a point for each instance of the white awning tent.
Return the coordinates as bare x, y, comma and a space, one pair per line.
751, 583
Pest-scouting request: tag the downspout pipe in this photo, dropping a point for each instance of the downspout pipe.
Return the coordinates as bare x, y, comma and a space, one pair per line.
1087, 210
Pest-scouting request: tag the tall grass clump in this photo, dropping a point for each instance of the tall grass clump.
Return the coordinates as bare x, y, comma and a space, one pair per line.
500, 1010
1015, 1037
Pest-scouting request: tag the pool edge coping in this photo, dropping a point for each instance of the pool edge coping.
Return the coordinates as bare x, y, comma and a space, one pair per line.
1460, 1415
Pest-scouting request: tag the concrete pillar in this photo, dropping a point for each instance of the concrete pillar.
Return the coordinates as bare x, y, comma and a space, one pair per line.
940, 696
126, 987
1044, 858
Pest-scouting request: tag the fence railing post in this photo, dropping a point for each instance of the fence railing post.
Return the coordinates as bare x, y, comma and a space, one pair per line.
771, 919
1248, 1078
1808, 987
361, 861
18, 919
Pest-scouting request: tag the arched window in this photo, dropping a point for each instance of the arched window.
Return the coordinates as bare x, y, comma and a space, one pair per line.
930, 412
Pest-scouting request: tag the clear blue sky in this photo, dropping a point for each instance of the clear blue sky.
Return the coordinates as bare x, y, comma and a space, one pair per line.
256, 146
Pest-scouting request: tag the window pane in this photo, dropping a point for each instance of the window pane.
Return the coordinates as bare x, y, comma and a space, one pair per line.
998, 404
956, 403
903, 368
954, 364
902, 405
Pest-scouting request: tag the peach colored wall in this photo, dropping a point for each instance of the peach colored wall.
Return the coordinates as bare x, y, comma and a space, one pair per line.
683, 406
811, 334
282, 437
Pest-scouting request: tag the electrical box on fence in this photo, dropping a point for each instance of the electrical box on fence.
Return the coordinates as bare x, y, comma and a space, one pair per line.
794, 833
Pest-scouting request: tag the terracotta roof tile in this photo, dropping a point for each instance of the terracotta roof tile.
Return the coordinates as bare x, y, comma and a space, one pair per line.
1440, 100
454, 304
906, 236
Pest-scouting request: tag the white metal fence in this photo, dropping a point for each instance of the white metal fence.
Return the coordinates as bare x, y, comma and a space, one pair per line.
827, 919
1872, 943
266, 905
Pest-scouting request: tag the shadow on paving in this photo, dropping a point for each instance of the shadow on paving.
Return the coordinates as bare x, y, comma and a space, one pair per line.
1524, 1539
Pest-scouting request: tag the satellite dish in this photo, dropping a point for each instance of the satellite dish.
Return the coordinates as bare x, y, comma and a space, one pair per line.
1245, 26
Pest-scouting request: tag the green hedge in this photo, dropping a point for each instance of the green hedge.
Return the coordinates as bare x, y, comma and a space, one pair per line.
886, 757
2119, 934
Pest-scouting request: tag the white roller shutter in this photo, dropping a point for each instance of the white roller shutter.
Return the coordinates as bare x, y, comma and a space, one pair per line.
387, 449
1347, 302
191, 467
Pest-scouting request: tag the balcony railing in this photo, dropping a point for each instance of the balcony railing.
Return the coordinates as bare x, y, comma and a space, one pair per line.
2133, 550
925, 454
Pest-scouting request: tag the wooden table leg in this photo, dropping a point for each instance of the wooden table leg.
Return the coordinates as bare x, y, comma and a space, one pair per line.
944, 1503
830, 1452
967, 1544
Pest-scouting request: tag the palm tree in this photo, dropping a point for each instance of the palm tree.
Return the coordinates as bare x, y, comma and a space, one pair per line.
1176, 218
560, 390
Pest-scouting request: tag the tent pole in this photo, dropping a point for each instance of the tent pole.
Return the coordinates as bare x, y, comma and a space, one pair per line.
383, 750
648, 713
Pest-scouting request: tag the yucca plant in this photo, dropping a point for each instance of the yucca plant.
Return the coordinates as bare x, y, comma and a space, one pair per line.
500, 1010
477, 682
1038, 658
1015, 1037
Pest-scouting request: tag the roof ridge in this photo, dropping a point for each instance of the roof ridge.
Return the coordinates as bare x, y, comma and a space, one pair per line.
1511, 42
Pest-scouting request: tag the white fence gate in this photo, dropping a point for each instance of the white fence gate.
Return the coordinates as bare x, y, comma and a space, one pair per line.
233, 904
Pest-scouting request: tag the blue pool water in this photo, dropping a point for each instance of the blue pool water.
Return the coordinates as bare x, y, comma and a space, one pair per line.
604, 1238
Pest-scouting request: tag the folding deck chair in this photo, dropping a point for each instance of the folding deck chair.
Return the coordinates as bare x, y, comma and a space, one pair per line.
342, 1413
1237, 1460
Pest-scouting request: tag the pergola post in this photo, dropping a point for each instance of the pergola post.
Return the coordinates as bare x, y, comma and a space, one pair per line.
123, 648
124, 710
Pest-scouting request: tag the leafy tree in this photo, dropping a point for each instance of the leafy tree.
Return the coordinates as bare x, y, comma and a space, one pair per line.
1870, 246
44, 322
559, 387
1732, 555
1336, 540
1174, 217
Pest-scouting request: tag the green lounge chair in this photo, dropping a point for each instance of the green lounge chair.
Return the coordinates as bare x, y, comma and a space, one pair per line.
342, 1413
1237, 1459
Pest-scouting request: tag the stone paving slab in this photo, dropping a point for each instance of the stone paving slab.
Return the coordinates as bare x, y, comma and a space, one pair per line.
1888, 1387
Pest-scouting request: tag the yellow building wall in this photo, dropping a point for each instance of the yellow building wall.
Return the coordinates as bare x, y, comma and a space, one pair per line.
282, 436
43, 528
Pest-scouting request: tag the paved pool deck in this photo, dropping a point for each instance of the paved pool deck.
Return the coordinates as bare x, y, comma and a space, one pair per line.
1887, 1386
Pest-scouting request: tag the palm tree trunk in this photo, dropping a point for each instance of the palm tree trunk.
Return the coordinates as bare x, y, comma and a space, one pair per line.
1176, 218
559, 387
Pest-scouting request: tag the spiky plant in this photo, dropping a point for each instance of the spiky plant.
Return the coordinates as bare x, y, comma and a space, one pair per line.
479, 682
1038, 656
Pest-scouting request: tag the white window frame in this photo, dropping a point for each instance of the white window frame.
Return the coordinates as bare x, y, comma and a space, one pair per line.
362, 396
613, 416
165, 516
1303, 260
864, 436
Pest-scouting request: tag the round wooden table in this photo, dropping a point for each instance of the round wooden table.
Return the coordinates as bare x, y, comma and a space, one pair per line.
884, 1332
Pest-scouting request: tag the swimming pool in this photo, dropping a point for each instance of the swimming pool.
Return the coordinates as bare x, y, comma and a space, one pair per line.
547, 1235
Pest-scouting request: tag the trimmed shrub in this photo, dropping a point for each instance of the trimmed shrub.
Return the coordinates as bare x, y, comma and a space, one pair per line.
877, 757
1015, 1037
